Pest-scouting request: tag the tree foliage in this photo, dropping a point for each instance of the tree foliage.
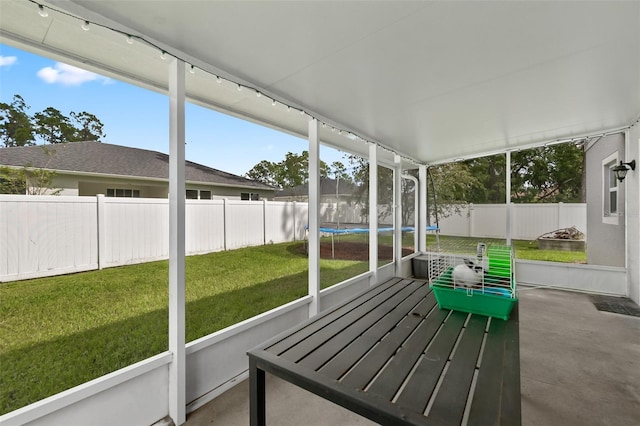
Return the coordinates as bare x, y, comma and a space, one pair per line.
50, 126
449, 188
490, 176
16, 127
290, 172
548, 174
53, 126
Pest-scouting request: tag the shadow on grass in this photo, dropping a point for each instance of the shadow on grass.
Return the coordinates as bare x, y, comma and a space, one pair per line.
347, 250
40, 370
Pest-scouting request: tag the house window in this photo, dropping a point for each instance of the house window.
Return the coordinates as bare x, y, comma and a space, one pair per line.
197, 194
120, 192
249, 196
610, 190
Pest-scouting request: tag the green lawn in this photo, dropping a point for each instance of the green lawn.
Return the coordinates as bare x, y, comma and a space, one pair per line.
523, 249
59, 332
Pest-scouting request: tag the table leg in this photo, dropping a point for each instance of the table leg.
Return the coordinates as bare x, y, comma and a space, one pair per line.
256, 394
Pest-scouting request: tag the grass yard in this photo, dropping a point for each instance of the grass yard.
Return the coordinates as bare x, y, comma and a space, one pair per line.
523, 249
59, 332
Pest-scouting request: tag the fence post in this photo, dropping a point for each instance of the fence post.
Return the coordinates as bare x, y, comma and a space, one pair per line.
224, 223
264, 222
559, 215
101, 230
471, 227
295, 215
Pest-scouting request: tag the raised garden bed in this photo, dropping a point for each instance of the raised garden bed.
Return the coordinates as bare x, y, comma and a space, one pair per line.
566, 239
560, 244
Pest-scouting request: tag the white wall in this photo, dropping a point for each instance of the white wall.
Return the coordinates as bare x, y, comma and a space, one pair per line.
632, 217
589, 278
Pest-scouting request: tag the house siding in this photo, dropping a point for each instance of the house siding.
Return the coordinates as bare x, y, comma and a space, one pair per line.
606, 244
89, 186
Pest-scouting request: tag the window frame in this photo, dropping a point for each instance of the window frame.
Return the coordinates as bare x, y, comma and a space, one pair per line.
610, 189
122, 193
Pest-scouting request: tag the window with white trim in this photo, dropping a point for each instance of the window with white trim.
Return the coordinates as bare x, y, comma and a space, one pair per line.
610, 190
249, 196
120, 192
198, 194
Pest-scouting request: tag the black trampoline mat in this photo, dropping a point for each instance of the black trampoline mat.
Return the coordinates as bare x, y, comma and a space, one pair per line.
616, 305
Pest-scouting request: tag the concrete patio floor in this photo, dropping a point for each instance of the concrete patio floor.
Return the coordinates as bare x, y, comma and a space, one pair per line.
579, 366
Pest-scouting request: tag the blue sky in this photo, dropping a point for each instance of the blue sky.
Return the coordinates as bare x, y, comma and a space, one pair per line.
137, 117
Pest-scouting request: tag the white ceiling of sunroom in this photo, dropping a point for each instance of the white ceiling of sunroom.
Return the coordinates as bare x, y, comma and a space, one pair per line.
433, 81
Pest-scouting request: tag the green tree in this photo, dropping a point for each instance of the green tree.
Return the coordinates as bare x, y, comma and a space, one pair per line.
290, 172
87, 127
449, 187
16, 128
548, 174
339, 172
491, 177
50, 126
12, 181
53, 126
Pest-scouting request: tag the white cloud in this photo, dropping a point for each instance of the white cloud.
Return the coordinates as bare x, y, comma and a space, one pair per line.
6, 61
68, 75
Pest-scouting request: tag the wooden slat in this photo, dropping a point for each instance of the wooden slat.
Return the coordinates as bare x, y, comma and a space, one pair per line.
386, 334
322, 349
511, 413
362, 373
391, 378
292, 337
407, 316
366, 405
487, 397
306, 342
450, 401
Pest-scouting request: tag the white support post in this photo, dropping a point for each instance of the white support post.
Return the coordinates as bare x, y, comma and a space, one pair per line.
397, 214
508, 196
177, 371
421, 223
373, 213
314, 217
416, 200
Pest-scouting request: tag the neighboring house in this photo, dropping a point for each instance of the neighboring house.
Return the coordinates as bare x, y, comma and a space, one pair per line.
605, 202
90, 168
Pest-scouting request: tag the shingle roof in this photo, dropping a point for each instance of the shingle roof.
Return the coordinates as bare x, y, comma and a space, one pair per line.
96, 157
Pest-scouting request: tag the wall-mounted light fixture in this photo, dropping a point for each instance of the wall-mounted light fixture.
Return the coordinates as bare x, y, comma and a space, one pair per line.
620, 171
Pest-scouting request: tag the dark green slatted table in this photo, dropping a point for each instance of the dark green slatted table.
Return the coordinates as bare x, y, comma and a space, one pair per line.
391, 355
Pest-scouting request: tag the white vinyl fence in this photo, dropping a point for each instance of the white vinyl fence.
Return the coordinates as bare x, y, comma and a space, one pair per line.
528, 221
48, 235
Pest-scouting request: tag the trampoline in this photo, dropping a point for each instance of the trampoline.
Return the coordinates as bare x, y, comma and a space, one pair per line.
347, 231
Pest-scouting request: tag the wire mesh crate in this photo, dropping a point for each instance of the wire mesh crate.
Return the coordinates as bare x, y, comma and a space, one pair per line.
482, 285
